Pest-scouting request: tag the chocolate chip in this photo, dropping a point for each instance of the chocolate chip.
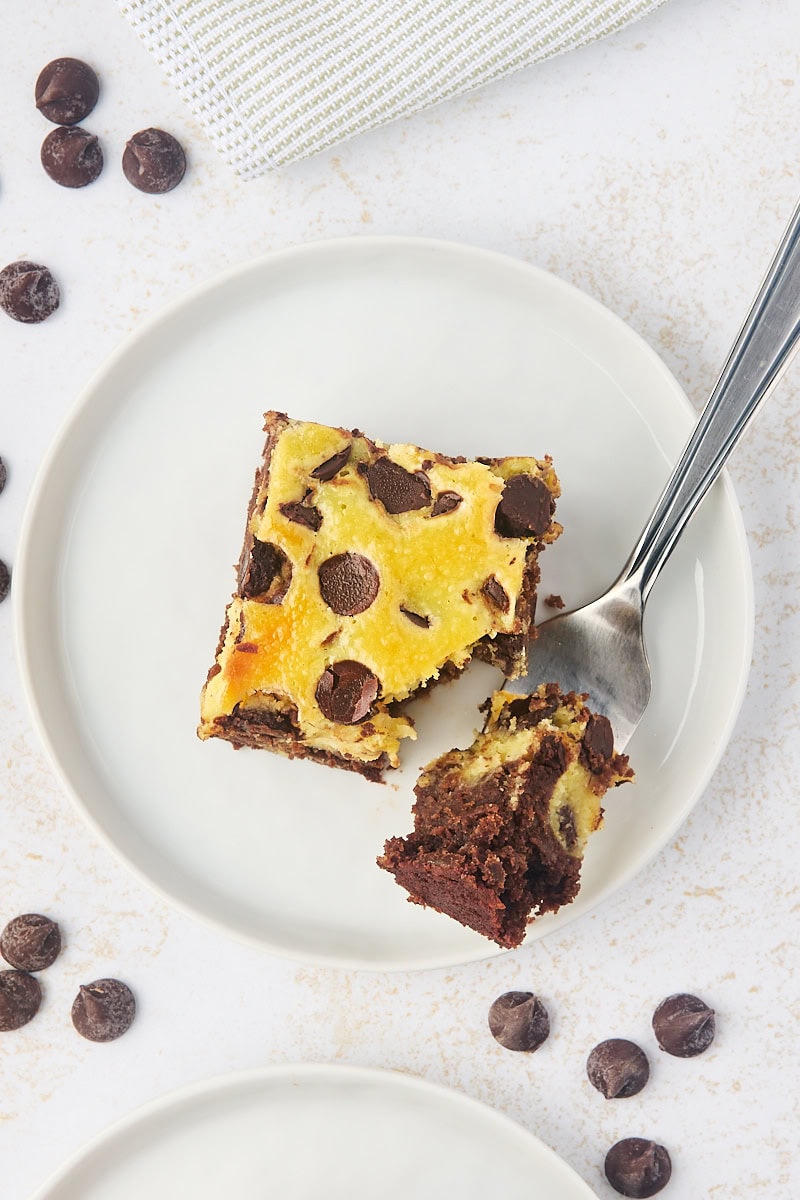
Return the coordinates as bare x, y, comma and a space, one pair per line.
267, 573
524, 509
397, 489
3, 474
104, 1010
332, 466
72, 156
445, 502
348, 583
30, 942
684, 1025
302, 514
154, 161
346, 691
618, 1068
416, 618
528, 711
246, 648
495, 594
5, 581
20, 997
519, 1021
66, 91
638, 1168
597, 747
567, 829
28, 292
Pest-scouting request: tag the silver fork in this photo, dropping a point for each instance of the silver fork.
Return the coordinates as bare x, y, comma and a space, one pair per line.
600, 648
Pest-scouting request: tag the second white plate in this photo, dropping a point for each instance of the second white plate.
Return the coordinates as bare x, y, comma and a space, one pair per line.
125, 570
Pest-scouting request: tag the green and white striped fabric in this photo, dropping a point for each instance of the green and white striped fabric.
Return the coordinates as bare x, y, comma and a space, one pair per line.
277, 80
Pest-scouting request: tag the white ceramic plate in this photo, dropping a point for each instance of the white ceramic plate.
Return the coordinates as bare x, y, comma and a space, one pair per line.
300, 1133
138, 514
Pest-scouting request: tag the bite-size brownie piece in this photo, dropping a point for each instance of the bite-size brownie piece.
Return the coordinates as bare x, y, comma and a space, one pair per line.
500, 828
368, 572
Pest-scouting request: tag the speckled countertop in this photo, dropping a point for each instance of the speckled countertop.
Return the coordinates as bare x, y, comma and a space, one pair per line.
656, 171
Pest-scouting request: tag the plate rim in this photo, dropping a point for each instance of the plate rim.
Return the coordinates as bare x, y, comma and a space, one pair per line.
83, 405
288, 1073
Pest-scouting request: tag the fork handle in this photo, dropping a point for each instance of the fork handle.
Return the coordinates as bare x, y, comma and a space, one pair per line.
765, 344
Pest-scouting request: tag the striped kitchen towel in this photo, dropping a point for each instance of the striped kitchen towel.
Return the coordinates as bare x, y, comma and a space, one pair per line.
277, 80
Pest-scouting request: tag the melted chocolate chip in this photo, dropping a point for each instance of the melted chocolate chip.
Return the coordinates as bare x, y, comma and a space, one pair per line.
20, 997
618, 1068
638, 1168
397, 489
346, 692
72, 156
519, 1021
416, 618
495, 594
66, 91
267, 574
30, 942
28, 292
348, 583
446, 502
154, 161
104, 1010
567, 829
524, 509
597, 747
684, 1025
302, 514
332, 466
5, 580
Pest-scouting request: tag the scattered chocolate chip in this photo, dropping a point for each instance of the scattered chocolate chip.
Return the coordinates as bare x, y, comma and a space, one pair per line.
104, 1010
567, 830
597, 747
332, 466
20, 997
302, 514
154, 161
524, 509
266, 575
495, 594
30, 942
346, 691
519, 1021
28, 292
3, 474
66, 91
416, 618
348, 583
5, 581
445, 502
684, 1025
397, 489
72, 156
618, 1068
638, 1168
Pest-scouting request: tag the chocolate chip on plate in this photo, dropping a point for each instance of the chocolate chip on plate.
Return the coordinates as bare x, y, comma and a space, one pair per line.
524, 509
397, 489
20, 997
154, 161
66, 91
684, 1025
104, 1010
72, 156
31, 942
28, 292
348, 583
618, 1068
346, 691
519, 1021
638, 1168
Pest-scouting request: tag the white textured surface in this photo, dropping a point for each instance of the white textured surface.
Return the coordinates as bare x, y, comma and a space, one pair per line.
655, 170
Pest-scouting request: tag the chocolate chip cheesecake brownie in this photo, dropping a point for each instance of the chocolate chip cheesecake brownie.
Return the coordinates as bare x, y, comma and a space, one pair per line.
368, 572
500, 828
